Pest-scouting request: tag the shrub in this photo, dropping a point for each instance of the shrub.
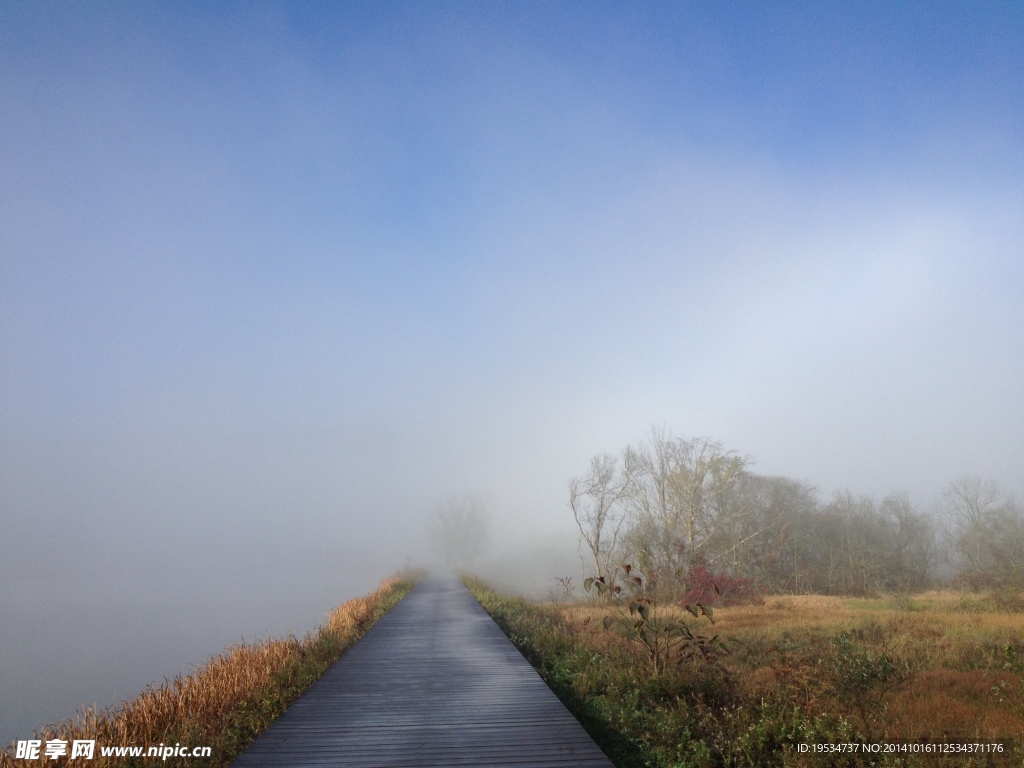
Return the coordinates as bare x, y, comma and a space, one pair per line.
860, 678
709, 588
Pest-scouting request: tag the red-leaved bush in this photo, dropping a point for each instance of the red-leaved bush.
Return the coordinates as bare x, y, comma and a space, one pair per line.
731, 590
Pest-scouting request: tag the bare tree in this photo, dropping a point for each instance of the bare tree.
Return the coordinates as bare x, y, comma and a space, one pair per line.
983, 523
1008, 551
681, 496
461, 530
597, 503
913, 552
767, 539
671, 505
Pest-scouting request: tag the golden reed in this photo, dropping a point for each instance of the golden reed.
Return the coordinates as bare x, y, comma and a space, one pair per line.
248, 683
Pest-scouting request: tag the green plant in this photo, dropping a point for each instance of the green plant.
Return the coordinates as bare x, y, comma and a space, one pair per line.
1013, 663
673, 720
664, 637
861, 677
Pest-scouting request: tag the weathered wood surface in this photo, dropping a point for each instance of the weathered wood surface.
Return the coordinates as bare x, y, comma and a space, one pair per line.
434, 682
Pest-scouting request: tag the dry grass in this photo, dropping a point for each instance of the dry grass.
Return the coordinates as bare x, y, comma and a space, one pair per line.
231, 698
944, 702
960, 678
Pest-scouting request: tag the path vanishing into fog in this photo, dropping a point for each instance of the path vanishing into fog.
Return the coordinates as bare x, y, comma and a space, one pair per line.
434, 682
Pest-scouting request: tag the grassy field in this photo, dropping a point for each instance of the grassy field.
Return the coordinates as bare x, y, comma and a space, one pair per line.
938, 666
227, 702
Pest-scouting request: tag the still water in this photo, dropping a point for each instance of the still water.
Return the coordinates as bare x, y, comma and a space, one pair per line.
66, 642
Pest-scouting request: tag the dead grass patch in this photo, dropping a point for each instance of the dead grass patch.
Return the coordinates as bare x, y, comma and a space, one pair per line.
958, 680
946, 703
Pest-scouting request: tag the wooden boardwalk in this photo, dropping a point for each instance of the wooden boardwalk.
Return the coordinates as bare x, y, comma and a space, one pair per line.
434, 682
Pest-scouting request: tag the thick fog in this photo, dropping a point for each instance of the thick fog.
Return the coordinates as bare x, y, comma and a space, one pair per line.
277, 280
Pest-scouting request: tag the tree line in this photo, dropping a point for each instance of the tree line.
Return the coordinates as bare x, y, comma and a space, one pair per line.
677, 508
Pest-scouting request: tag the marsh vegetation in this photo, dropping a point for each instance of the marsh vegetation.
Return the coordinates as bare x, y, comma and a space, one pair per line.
729, 617
801, 669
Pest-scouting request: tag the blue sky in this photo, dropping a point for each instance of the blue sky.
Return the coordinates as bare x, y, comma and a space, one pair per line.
276, 278
516, 228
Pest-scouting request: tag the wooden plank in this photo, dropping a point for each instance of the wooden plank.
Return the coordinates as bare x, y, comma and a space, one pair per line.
434, 682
